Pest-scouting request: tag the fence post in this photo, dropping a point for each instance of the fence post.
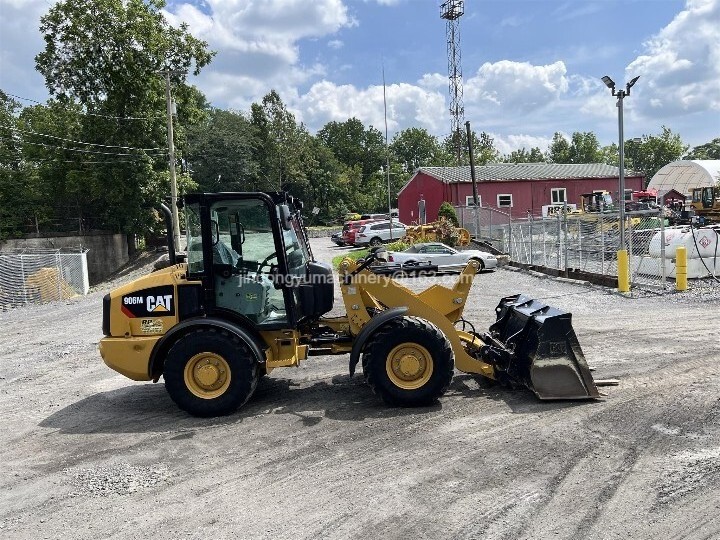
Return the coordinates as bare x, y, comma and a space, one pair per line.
558, 241
510, 236
22, 276
663, 271
601, 224
544, 240
58, 265
565, 238
530, 216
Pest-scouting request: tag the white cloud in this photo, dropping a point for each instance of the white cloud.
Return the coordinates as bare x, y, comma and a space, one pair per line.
680, 68
407, 105
258, 44
507, 143
519, 87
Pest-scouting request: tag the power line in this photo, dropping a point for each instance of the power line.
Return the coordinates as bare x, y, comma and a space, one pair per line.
79, 142
80, 149
93, 114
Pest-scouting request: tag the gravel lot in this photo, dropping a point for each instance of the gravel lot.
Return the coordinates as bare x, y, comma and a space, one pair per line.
90, 454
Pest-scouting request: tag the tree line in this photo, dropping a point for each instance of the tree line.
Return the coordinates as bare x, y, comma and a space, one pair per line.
94, 156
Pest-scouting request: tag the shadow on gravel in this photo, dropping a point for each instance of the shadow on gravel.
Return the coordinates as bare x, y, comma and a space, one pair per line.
147, 408
144, 408
520, 400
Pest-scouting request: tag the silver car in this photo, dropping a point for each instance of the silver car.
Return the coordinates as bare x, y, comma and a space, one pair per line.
378, 232
445, 257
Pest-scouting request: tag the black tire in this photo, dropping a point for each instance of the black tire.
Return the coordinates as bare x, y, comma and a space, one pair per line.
376, 241
235, 367
423, 344
480, 262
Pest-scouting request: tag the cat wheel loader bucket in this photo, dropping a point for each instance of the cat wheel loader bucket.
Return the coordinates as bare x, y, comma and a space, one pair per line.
534, 345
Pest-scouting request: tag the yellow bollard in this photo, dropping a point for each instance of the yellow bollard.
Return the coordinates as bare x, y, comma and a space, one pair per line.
623, 270
681, 269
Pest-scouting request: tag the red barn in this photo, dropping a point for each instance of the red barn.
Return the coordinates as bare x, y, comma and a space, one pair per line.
516, 188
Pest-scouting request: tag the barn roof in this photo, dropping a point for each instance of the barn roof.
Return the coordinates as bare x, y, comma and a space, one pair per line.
504, 172
499, 172
683, 176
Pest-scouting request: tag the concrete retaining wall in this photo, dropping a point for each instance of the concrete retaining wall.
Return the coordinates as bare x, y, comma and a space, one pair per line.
106, 252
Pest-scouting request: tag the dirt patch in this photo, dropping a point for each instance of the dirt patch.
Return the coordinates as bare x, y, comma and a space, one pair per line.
87, 453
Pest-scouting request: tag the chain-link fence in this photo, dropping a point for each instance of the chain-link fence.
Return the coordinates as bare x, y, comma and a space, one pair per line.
588, 243
38, 276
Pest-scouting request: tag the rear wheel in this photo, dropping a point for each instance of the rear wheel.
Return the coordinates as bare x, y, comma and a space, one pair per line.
408, 362
210, 372
374, 242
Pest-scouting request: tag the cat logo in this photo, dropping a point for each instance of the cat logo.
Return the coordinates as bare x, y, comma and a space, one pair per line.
156, 304
152, 302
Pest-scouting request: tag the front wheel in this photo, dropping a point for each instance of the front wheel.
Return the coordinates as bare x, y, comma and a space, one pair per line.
481, 264
210, 372
408, 362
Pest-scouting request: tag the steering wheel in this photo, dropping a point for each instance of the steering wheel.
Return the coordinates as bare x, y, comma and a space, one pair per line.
265, 262
369, 259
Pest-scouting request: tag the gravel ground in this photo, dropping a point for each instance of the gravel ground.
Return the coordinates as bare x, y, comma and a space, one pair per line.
90, 454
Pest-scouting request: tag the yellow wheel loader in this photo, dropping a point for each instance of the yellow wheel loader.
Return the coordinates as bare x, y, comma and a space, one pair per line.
250, 298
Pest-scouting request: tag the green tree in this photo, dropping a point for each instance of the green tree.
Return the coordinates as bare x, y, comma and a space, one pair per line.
416, 147
106, 55
448, 212
484, 150
281, 148
355, 145
583, 147
559, 151
535, 155
18, 196
655, 151
219, 152
709, 150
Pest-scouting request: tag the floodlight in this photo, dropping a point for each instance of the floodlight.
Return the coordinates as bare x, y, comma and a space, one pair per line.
631, 83
608, 82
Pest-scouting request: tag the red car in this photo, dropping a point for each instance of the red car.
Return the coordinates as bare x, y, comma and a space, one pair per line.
351, 228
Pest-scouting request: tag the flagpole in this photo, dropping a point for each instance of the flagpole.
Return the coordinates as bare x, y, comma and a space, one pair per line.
387, 153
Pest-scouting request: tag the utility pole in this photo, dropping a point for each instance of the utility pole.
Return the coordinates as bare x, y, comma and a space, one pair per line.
171, 159
476, 202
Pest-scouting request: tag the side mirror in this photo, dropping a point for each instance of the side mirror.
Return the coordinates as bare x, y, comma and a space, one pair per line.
215, 232
285, 217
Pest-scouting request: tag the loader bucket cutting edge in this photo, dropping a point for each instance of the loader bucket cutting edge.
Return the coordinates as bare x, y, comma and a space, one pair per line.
537, 348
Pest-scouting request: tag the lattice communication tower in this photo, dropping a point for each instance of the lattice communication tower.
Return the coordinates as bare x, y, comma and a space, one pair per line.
451, 11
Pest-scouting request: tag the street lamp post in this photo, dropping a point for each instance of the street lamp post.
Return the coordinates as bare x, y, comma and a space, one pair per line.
622, 256
621, 95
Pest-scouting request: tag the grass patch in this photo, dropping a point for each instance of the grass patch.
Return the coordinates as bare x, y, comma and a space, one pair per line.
354, 255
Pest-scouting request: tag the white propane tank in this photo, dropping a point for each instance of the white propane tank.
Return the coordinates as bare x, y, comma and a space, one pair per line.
706, 239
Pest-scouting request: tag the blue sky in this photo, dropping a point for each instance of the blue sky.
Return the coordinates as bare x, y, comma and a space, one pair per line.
530, 67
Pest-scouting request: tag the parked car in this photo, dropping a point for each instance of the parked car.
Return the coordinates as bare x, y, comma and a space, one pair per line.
445, 257
377, 233
337, 239
351, 228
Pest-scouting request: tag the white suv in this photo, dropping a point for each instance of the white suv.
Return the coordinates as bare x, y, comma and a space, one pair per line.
376, 233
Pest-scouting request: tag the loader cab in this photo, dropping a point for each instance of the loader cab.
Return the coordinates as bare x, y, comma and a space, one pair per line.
250, 252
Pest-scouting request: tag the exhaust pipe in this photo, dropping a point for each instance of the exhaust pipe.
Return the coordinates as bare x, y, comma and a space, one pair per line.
534, 345
168, 223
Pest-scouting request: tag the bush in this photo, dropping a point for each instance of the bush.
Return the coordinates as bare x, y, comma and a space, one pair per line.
399, 245
448, 234
448, 212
